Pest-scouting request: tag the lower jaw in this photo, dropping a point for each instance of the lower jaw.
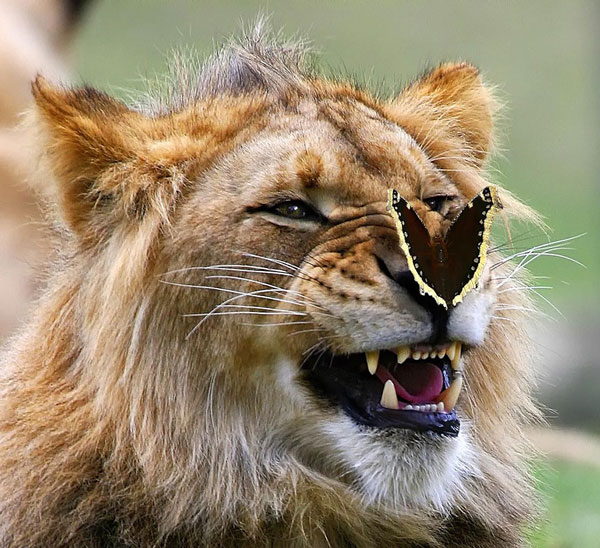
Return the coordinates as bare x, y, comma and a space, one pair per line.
446, 424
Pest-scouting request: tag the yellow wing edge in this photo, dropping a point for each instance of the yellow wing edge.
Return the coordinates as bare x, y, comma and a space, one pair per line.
487, 228
427, 289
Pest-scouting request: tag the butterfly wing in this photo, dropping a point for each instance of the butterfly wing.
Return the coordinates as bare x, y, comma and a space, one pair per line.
467, 242
416, 244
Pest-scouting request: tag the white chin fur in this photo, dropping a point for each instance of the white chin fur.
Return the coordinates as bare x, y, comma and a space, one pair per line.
403, 469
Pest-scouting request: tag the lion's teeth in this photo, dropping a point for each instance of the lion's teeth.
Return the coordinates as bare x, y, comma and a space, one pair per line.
450, 395
372, 361
416, 355
389, 400
426, 408
451, 350
455, 360
403, 353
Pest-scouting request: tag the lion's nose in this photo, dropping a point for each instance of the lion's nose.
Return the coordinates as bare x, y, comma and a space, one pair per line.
404, 278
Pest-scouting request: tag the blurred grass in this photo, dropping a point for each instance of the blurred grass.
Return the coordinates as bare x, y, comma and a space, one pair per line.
542, 55
572, 496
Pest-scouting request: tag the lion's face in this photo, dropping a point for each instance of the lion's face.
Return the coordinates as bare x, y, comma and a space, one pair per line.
304, 282
269, 327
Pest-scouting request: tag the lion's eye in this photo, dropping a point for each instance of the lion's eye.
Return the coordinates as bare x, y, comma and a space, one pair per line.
436, 203
295, 209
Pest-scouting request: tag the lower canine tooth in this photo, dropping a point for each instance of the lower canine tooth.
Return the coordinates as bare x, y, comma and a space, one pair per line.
372, 361
389, 400
450, 395
403, 353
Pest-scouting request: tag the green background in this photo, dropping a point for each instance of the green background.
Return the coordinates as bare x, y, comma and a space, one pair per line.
543, 56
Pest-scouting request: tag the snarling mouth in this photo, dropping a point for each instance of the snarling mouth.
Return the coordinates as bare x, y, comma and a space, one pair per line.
415, 388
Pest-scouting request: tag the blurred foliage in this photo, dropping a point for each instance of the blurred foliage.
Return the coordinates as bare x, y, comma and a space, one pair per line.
571, 493
541, 54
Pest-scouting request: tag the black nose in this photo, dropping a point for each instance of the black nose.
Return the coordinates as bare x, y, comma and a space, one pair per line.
439, 315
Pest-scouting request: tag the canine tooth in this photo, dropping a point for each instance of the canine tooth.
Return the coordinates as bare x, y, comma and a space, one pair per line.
372, 361
455, 360
416, 355
450, 396
403, 353
389, 400
440, 407
451, 350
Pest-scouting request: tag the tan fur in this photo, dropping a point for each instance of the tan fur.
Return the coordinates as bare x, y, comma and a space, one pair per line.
123, 423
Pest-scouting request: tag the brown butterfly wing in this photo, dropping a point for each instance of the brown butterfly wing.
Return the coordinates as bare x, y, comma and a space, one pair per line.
421, 253
467, 241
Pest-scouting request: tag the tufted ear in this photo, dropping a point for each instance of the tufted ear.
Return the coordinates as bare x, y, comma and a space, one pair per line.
111, 163
449, 109
87, 136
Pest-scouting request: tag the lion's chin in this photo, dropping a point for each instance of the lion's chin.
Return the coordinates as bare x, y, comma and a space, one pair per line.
414, 389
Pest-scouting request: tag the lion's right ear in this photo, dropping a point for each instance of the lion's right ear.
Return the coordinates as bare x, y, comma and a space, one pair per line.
85, 134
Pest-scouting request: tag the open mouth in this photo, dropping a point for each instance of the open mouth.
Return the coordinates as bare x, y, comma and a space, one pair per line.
411, 387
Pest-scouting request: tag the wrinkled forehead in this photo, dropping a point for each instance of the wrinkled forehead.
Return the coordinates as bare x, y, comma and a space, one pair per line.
336, 153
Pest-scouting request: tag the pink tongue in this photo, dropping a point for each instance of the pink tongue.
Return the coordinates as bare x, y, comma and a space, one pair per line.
421, 382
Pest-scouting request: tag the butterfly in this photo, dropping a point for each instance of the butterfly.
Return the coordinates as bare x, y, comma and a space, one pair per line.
446, 268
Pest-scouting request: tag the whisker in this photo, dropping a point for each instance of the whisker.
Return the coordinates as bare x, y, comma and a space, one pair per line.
292, 267
275, 324
285, 264
238, 295
245, 293
306, 331
532, 251
254, 268
501, 318
557, 242
264, 284
525, 288
528, 260
248, 306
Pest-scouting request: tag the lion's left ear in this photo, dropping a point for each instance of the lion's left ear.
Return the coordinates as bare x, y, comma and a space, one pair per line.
449, 107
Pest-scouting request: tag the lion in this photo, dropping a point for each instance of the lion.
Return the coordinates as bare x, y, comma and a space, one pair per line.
199, 369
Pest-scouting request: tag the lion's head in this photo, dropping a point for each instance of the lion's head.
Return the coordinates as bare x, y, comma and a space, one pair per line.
228, 272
